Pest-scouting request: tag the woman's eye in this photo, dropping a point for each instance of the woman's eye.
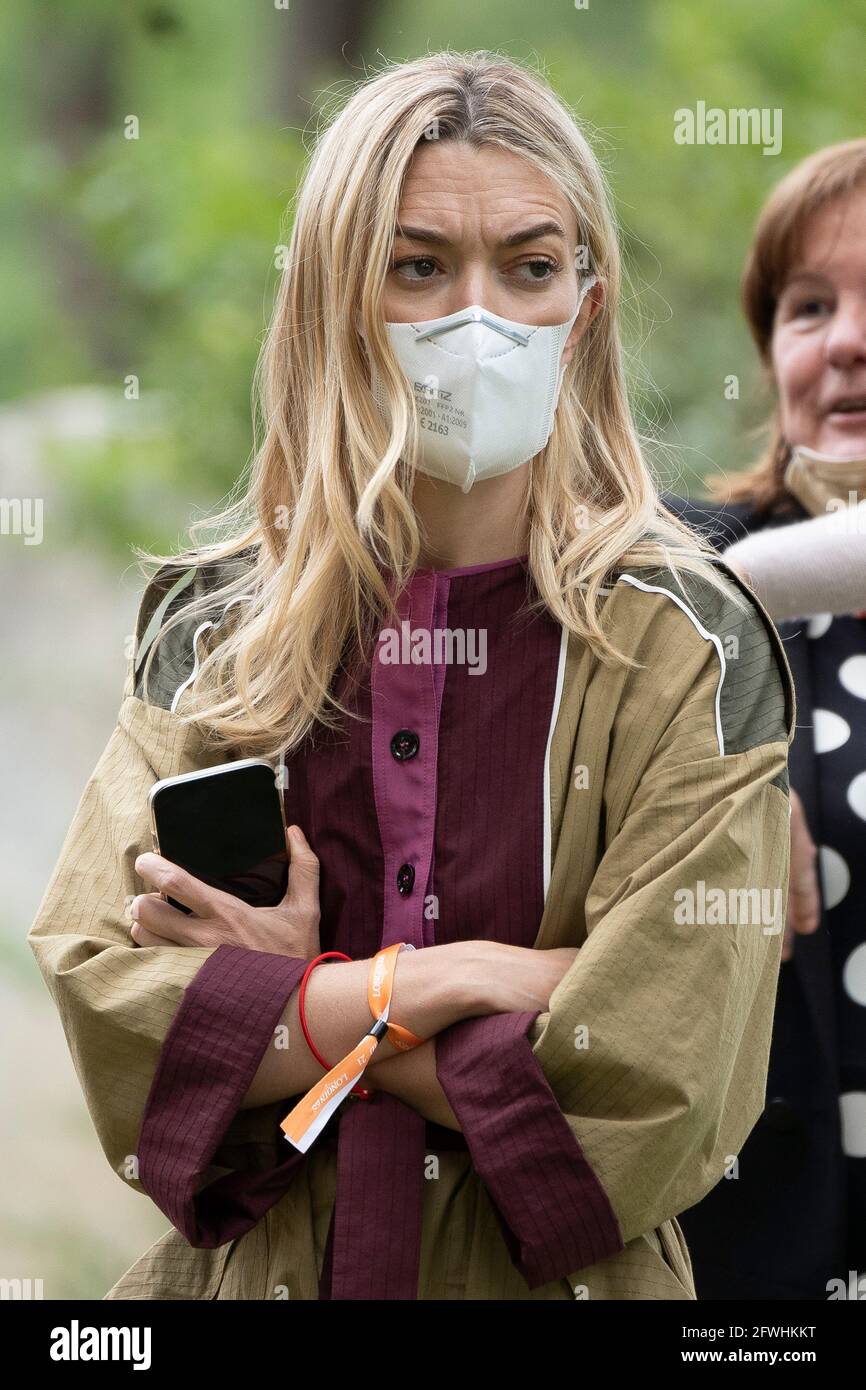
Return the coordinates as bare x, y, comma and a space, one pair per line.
424, 261
808, 308
540, 269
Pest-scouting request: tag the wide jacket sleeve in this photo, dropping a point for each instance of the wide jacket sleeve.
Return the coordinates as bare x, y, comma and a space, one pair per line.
620, 1106
167, 1040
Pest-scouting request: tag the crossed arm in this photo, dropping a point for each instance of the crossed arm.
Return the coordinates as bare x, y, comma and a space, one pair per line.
433, 989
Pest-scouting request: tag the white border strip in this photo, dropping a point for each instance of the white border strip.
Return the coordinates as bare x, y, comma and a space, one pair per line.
710, 637
557, 701
203, 627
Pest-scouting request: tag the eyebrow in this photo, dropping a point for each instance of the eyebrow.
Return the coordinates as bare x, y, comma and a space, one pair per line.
539, 229
804, 275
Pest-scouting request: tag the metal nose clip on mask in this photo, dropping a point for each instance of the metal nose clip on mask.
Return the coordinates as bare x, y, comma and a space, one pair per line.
486, 389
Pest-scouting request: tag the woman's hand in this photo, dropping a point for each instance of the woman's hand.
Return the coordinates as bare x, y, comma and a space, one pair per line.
219, 919
496, 978
804, 903
511, 979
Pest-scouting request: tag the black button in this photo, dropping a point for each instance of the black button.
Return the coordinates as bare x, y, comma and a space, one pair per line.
404, 745
780, 1115
405, 879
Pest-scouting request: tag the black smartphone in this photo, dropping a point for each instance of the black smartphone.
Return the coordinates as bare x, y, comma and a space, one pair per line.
225, 825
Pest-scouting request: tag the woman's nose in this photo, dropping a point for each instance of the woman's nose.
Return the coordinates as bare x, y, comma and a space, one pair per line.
473, 286
846, 340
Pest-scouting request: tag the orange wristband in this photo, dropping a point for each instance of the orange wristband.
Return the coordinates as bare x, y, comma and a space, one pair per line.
306, 1121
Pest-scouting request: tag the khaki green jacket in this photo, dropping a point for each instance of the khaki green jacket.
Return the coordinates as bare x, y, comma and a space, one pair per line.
668, 796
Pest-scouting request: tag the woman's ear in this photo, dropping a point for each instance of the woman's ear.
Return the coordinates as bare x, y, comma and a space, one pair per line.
591, 305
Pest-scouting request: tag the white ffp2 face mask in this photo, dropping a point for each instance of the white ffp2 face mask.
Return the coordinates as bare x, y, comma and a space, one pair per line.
486, 389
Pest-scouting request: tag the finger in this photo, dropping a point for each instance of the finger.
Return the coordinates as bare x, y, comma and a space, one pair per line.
303, 885
805, 922
176, 883
804, 899
159, 919
788, 944
142, 937
802, 844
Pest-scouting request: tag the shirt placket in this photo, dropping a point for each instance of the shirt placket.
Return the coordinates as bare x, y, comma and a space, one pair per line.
406, 698
381, 1143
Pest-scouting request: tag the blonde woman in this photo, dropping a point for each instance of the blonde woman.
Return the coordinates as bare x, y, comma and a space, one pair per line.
524, 722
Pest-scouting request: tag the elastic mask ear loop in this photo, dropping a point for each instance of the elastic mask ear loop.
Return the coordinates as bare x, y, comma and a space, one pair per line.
589, 278
587, 285
585, 289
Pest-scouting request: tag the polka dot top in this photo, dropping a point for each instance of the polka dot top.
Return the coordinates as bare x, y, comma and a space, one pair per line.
837, 648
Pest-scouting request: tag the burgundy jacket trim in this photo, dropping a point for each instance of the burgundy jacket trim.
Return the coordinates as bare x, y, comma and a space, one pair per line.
210, 1055
555, 1215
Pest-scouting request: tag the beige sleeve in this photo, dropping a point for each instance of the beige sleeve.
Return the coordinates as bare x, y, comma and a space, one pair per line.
116, 1002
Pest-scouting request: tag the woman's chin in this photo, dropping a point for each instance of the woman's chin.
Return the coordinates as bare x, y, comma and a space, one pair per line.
843, 435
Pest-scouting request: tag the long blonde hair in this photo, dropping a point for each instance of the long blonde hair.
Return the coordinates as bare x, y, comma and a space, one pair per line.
328, 510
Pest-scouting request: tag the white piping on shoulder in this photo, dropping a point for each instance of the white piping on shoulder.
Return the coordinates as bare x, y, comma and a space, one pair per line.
203, 627
557, 701
709, 636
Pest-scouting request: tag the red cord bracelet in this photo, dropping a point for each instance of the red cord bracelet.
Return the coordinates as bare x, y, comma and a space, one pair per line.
358, 1092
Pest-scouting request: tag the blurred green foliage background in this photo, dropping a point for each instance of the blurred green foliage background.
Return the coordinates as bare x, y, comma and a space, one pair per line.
155, 258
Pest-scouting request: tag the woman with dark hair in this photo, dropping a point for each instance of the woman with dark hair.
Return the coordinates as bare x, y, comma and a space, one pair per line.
794, 1218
